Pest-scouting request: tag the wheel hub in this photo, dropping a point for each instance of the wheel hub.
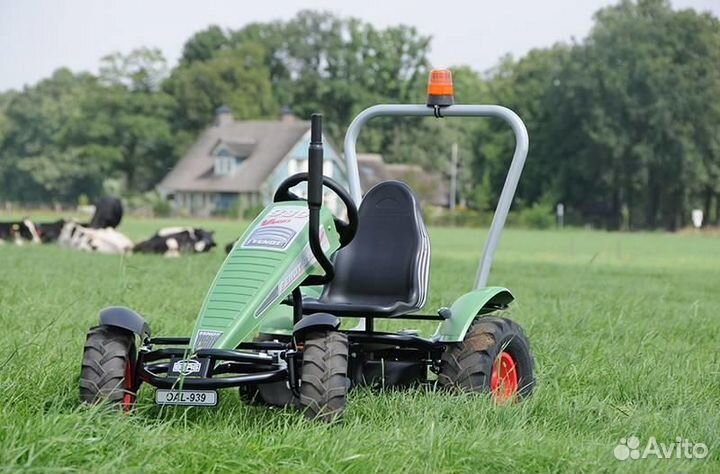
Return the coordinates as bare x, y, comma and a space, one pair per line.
128, 398
504, 378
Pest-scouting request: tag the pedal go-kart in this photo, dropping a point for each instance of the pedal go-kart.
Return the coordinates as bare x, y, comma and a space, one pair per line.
373, 265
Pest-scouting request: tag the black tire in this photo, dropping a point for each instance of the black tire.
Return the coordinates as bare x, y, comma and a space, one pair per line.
324, 386
468, 365
108, 367
276, 394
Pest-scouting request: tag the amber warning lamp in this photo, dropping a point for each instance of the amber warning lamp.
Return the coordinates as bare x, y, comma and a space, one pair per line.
440, 88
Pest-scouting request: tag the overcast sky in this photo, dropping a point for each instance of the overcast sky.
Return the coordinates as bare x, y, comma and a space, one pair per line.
38, 36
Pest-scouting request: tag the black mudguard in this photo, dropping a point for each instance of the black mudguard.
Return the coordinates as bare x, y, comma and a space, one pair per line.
125, 318
316, 322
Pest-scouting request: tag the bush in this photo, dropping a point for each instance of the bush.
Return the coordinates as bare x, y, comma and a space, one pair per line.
147, 204
536, 217
161, 208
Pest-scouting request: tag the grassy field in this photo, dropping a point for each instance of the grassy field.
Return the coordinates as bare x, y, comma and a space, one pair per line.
624, 328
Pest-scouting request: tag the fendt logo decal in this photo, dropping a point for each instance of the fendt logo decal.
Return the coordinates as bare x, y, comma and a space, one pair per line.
278, 229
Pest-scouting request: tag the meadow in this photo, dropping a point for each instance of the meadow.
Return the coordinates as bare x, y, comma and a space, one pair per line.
624, 329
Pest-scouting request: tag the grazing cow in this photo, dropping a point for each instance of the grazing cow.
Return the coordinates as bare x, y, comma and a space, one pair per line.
108, 213
50, 231
19, 232
108, 241
173, 241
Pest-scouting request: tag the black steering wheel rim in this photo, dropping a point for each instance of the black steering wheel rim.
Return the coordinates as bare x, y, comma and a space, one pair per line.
346, 230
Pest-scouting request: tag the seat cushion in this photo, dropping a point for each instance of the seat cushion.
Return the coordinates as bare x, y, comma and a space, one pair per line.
384, 270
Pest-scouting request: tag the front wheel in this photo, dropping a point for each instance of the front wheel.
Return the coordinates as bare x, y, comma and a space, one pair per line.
276, 394
493, 358
324, 380
108, 367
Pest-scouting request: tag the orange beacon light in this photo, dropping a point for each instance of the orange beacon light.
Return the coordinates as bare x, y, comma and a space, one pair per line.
440, 89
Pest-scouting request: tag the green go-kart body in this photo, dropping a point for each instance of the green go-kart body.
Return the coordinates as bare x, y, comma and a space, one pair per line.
270, 260
271, 320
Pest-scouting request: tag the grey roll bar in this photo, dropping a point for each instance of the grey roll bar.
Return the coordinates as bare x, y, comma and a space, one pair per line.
511, 181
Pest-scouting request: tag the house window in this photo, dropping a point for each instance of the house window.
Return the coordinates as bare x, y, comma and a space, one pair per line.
225, 165
229, 155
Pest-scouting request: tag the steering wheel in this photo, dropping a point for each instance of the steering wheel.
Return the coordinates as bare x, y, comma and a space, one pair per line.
346, 230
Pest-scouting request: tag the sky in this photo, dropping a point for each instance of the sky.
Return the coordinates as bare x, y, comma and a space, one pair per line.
39, 36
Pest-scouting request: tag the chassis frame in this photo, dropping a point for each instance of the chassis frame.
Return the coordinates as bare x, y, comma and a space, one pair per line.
397, 355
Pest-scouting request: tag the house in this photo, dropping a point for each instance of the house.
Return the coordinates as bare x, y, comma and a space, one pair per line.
239, 164
431, 188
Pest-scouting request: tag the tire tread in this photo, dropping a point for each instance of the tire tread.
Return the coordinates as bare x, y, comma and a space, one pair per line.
323, 391
105, 355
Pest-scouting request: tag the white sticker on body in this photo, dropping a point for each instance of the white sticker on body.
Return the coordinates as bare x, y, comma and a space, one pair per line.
279, 229
297, 269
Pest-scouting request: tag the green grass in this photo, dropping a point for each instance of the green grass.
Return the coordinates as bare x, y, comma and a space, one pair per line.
624, 328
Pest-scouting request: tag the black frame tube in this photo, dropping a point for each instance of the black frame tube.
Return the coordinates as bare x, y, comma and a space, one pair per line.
255, 368
209, 383
315, 197
392, 339
169, 340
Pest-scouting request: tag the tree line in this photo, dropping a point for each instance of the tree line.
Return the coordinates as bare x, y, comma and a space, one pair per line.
624, 124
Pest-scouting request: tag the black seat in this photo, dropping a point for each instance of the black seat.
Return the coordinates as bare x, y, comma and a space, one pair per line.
384, 271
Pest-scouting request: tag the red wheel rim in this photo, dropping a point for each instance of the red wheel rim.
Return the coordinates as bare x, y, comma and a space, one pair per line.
128, 397
504, 378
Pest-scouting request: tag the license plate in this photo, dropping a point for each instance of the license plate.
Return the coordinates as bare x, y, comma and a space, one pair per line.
203, 398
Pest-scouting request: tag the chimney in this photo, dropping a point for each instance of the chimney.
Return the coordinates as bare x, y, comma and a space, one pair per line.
223, 116
286, 115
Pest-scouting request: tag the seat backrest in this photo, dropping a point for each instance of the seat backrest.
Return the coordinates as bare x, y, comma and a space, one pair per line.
388, 261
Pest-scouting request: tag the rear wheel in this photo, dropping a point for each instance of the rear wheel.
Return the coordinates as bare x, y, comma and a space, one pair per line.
493, 358
324, 386
108, 367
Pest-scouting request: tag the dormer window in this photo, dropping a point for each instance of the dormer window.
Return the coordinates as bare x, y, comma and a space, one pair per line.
228, 156
225, 165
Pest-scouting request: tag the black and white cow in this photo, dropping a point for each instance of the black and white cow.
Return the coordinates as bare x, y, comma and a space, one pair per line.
50, 231
108, 213
108, 240
174, 241
19, 232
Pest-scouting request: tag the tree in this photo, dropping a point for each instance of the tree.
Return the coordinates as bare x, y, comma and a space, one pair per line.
142, 69
40, 164
129, 130
613, 120
237, 78
319, 62
70, 133
643, 92
203, 45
